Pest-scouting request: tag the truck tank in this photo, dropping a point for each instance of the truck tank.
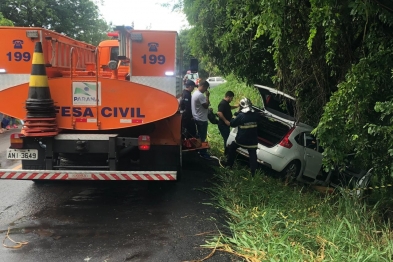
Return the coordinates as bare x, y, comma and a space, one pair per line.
116, 105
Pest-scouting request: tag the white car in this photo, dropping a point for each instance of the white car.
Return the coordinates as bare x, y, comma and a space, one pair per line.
215, 81
285, 145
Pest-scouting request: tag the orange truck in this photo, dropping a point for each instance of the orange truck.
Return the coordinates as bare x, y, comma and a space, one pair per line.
92, 113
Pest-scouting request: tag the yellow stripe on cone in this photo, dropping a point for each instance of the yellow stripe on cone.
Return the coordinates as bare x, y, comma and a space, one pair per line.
38, 58
38, 81
38, 77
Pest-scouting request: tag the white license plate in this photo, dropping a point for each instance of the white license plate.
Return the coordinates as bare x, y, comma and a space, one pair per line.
22, 154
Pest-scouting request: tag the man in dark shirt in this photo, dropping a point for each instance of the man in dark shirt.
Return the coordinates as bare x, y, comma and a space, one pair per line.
247, 134
188, 124
225, 115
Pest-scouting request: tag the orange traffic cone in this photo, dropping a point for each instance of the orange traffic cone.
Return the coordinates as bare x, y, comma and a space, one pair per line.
41, 114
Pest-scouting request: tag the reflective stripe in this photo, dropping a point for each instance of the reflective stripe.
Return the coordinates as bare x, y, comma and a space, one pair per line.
246, 127
38, 81
38, 59
251, 146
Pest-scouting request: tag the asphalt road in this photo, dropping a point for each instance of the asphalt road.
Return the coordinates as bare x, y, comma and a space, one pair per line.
110, 221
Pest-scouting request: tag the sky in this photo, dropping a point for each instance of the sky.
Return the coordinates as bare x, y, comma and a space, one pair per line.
144, 14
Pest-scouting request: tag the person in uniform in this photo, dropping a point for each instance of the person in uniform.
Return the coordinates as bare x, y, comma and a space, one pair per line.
246, 121
188, 124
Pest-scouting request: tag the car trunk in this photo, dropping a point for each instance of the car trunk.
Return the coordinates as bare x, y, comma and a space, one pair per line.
278, 115
270, 131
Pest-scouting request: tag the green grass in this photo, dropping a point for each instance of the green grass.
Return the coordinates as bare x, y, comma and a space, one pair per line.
271, 221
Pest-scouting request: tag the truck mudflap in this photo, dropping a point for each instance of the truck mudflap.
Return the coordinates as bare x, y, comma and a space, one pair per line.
88, 175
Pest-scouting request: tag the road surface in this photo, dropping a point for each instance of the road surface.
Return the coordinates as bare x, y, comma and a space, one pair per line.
109, 221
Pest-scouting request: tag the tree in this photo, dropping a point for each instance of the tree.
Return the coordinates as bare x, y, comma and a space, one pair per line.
335, 57
5, 22
79, 19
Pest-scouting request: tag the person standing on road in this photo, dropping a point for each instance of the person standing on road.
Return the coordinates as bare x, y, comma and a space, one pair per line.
224, 113
200, 108
188, 124
247, 134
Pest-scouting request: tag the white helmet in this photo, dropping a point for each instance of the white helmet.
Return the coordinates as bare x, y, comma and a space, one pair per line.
245, 105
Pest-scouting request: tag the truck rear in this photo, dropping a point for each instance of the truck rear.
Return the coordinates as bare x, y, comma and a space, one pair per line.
115, 106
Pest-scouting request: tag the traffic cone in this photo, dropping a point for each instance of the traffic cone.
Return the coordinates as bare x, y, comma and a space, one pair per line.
41, 114
39, 102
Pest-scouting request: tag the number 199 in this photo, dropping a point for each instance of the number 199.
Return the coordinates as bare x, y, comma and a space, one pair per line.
18, 56
153, 59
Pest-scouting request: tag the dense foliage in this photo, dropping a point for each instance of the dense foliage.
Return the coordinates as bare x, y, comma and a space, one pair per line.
336, 57
79, 19
4, 21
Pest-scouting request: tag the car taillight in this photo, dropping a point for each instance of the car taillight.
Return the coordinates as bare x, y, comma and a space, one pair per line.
144, 142
16, 140
285, 141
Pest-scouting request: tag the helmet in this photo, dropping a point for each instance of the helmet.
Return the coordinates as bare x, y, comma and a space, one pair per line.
245, 105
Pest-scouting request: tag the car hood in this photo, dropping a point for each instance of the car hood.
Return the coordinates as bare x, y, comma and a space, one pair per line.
277, 104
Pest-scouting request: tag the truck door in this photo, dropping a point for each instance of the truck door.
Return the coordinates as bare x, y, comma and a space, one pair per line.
312, 156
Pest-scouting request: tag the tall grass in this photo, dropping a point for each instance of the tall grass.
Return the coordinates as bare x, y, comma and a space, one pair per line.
271, 221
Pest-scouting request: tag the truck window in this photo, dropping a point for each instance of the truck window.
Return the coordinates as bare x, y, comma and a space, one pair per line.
114, 53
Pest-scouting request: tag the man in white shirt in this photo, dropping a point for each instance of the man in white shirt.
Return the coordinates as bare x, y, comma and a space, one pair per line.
200, 108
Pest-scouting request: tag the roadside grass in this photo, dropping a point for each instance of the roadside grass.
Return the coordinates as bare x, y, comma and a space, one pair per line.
271, 221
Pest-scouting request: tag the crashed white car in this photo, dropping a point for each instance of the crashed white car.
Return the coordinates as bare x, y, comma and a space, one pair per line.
285, 145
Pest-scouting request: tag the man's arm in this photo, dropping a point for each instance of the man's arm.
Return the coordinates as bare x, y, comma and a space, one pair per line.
237, 121
222, 117
207, 103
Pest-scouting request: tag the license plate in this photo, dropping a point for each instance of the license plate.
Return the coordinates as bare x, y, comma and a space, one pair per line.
22, 154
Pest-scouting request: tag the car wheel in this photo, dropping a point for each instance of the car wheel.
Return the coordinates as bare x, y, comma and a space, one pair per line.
362, 184
290, 172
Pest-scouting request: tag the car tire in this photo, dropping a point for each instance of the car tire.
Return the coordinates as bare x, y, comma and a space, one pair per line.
290, 172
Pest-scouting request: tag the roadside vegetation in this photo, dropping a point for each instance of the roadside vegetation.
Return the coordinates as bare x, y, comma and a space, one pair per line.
335, 57
268, 220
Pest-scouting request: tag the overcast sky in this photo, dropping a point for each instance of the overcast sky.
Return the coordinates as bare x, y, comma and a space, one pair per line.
144, 13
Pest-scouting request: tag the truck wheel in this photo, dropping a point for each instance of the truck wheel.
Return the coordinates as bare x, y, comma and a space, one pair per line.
290, 172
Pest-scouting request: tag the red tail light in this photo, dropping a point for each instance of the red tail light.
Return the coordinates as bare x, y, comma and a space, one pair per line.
285, 141
16, 140
144, 142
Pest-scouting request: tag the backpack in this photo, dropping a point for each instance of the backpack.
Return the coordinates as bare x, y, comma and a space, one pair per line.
213, 118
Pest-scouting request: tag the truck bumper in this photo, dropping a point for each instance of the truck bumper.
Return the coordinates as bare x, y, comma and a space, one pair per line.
87, 175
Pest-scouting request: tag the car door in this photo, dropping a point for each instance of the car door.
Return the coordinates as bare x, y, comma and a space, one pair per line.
312, 156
